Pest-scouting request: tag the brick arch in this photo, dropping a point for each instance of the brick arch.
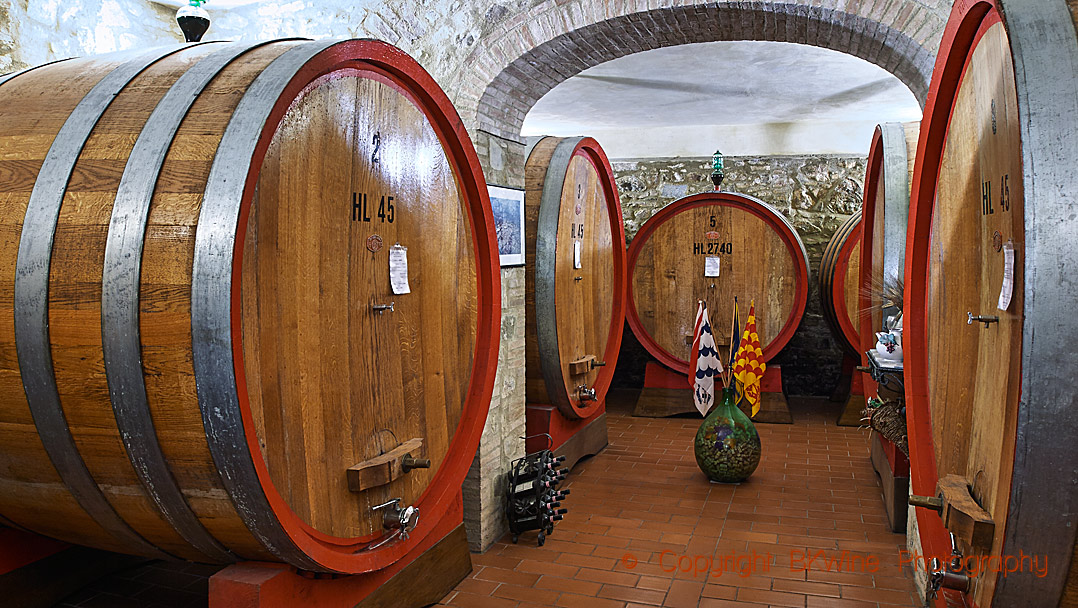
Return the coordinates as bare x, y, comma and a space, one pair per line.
538, 49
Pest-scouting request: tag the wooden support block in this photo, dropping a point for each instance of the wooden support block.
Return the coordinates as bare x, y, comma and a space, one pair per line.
419, 578
895, 484
381, 469
962, 516
573, 439
582, 365
855, 404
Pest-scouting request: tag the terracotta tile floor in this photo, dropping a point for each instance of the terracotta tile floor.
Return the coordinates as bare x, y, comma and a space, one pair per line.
646, 528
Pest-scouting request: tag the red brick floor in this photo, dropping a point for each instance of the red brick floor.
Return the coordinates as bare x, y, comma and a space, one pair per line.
646, 528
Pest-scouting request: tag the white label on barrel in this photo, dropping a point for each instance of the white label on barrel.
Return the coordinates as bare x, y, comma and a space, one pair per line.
398, 269
711, 266
1008, 277
576, 254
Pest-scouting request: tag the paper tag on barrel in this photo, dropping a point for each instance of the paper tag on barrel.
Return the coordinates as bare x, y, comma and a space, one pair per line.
398, 269
1007, 290
711, 266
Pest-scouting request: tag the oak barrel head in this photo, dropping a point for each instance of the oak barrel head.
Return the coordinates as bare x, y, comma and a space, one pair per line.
759, 257
575, 274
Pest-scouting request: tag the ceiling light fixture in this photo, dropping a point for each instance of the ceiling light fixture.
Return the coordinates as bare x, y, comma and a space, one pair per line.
716, 170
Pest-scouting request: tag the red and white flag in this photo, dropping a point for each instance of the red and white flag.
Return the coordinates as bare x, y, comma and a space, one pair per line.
704, 363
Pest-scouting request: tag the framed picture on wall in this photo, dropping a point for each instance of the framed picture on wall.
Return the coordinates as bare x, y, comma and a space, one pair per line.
508, 207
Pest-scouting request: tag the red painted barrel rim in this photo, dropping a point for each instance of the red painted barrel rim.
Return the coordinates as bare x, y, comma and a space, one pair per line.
969, 21
838, 288
731, 199
590, 149
388, 64
873, 174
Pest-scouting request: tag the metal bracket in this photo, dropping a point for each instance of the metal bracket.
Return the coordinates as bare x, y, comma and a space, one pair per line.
380, 308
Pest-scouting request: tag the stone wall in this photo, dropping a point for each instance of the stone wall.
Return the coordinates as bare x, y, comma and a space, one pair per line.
484, 489
33, 32
815, 193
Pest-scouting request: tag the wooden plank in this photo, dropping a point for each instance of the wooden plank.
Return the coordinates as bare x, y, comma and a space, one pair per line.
895, 489
962, 516
582, 365
383, 468
429, 578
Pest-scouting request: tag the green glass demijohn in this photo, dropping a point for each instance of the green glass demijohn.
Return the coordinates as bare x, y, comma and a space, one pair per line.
727, 445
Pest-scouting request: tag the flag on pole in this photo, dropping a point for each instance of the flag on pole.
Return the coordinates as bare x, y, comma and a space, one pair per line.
749, 366
694, 350
735, 333
704, 363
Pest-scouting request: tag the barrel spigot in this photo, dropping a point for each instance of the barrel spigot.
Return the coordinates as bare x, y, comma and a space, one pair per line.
942, 577
400, 522
585, 394
380, 308
986, 319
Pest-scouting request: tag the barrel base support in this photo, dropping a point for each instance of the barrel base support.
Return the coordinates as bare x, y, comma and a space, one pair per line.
855, 401
424, 576
774, 409
667, 393
845, 380
894, 471
573, 439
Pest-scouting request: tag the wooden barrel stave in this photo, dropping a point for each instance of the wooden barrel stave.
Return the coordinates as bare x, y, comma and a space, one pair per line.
662, 303
75, 299
164, 286
567, 318
31, 482
1003, 100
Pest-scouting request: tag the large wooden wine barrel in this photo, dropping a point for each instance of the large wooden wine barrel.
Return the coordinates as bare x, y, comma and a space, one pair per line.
992, 215
196, 252
840, 276
761, 258
885, 208
575, 274
884, 211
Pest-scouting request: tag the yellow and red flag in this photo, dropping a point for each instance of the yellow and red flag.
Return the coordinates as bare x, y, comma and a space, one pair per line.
749, 366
